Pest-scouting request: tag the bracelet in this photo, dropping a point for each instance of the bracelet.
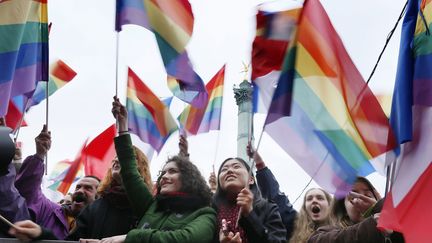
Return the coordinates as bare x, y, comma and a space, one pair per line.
123, 132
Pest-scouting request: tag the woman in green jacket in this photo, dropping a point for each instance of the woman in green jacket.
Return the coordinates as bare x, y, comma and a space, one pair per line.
180, 210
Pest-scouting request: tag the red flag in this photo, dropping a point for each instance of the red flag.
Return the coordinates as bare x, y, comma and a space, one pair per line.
407, 206
72, 172
100, 152
13, 117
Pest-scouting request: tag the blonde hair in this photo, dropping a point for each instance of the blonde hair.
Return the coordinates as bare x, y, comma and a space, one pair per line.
143, 168
304, 225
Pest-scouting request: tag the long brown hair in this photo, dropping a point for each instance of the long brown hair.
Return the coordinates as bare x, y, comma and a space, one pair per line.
338, 210
304, 225
143, 168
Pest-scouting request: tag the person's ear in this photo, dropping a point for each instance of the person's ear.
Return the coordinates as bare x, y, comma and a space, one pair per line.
251, 180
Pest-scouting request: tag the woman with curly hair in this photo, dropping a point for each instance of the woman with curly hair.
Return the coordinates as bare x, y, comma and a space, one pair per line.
314, 213
180, 210
243, 215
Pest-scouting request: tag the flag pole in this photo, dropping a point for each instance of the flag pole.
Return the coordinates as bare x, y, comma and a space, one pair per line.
220, 124
46, 121
46, 71
117, 63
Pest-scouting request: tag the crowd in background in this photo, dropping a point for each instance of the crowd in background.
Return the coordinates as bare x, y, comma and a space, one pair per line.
234, 206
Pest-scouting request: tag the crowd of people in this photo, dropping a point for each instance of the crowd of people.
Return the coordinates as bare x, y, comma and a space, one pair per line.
235, 206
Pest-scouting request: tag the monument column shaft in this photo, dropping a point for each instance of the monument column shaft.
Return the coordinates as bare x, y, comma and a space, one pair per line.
243, 96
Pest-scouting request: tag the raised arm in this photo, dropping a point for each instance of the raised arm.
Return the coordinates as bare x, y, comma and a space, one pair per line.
269, 188
139, 195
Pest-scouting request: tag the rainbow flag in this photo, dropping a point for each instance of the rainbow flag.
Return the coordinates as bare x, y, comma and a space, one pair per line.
60, 75
172, 23
148, 117
273, 34
59, 173
406, 208
335, 129
23, 48
200, 120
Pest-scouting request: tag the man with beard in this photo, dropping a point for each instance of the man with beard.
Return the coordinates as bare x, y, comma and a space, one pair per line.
60, 220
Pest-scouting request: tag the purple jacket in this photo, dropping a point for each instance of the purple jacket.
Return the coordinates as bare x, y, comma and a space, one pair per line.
12, 205
46, 213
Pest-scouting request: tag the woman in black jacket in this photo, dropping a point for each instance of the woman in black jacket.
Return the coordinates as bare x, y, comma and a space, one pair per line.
243, 216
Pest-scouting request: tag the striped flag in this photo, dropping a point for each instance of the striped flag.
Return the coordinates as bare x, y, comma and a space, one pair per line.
60, 75
407, 205
335, 125
200, 120
23, 48
273, 34
148, 117
72, 172
172, 23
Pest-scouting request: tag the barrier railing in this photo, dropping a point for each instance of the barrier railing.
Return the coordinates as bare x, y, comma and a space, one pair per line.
12, 240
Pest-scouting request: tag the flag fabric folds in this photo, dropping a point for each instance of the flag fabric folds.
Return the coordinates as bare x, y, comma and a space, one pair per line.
99, 153
23, 48
336, 125
60, 75
200, 120
172, 23
148, 117
13, 117
58, 174
406, 208
71, 174
274, 31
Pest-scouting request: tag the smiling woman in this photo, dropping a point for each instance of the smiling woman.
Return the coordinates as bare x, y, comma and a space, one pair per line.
180, 210
243, 216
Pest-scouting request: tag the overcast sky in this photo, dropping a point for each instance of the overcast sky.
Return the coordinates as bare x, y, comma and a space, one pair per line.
83, 36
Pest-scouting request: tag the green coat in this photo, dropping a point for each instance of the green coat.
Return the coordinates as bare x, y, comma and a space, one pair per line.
156, 225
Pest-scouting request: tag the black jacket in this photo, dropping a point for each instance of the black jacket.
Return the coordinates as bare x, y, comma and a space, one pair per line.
269, 188
263, 224
102, 219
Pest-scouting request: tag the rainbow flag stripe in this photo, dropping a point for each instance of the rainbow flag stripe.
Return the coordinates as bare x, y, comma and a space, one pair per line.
336, 125
414, 72
23, 48
172, 23
60, 75
195, 120
59, 173
148, 117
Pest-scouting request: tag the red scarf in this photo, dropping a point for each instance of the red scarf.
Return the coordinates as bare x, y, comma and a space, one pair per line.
230, 213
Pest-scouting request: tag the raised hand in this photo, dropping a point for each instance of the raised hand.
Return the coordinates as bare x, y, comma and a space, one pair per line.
212, 182
245, 201
120, 114
259, 163
361, 202
43, 142
183, 146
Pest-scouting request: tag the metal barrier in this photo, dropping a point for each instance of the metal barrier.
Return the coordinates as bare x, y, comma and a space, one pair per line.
12, 240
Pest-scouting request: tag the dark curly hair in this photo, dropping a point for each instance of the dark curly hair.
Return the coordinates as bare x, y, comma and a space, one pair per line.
191, 179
